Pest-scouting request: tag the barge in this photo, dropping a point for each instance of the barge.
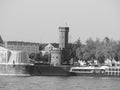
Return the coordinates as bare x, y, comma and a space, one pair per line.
49, 70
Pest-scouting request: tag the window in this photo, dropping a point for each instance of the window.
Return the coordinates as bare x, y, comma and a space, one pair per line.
106, 73
81, 70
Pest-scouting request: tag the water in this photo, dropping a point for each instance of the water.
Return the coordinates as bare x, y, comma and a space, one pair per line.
58, 83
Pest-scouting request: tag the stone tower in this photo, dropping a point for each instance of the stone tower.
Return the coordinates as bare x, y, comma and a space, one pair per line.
63, 37
63, 44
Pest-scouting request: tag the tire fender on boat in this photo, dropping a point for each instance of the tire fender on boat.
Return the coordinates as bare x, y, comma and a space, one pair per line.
102, 71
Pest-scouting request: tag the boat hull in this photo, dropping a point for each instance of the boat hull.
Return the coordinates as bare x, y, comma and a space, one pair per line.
93, 75
48, 70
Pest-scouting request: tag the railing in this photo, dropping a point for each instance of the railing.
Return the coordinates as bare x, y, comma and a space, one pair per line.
82, 70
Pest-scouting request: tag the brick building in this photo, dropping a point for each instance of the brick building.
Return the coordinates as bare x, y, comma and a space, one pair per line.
22, 46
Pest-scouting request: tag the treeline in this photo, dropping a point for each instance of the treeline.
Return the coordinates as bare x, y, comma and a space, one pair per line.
95, 50
92, 50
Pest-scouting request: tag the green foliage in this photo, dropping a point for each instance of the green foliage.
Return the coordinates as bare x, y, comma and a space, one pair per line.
97, 49
40, 47
32, 56
39, 57
79, 53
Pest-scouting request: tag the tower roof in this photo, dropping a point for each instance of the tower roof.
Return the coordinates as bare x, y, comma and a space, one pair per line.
1, 40
63, 29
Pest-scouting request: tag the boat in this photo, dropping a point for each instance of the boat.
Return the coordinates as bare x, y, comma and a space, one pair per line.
99, 71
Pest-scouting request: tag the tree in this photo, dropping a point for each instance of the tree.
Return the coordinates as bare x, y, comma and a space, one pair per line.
38, 56
117, 50
106, 40
45, 58
40, 47
32, 56
99, 50
99, 55
75, 54
78, 43
71, 53
91, 48
86, 56
79, 53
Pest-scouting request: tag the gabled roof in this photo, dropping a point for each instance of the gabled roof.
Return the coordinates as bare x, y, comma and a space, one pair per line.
50, 45
1, 40
56, 45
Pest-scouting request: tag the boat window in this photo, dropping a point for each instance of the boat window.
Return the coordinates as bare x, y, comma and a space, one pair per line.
109, 73
113, 69
109, 69
117, 73
81, 70
106, 73
112, 73
116, 69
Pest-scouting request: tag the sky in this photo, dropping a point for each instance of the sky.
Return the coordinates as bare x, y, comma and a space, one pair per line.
38, 20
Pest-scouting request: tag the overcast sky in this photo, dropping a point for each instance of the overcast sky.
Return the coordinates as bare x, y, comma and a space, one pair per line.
38, 20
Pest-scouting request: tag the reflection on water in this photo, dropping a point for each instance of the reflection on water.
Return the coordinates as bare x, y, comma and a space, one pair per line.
58, 83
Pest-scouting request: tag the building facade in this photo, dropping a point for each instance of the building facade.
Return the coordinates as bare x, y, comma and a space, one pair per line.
23, 46
1, 41
56, 57
49, 48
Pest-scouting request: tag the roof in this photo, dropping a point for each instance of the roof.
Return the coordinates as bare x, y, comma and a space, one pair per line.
56, 45
3, 49
49, 45
21, 42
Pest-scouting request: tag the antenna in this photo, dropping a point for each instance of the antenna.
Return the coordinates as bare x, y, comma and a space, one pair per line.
66, 24
69, 38
5, 44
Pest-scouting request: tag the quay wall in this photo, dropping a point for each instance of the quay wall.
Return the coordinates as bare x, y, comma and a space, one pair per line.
17, 70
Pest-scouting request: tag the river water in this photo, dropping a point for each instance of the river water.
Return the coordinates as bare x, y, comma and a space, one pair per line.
58, 83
